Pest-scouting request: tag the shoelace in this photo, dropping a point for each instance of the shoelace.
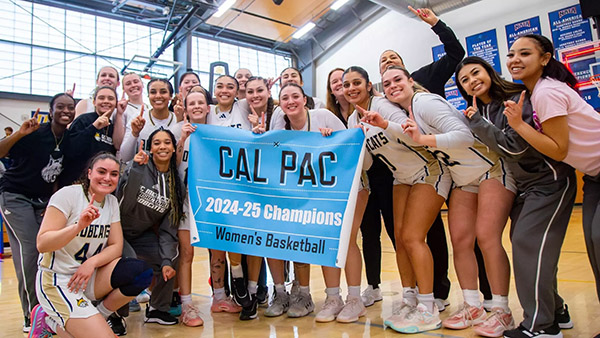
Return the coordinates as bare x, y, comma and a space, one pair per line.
495, 317
330, 303
192, 311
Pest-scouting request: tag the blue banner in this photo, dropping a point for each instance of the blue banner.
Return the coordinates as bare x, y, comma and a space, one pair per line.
485, 45
569, 28
524, 27
452, 94
283, 194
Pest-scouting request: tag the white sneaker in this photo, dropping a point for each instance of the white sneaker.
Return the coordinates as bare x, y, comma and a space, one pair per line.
353, 310
143, 297
398, 313
441, 304
331, 308
302, 306
279, 306
370, 296
419, 319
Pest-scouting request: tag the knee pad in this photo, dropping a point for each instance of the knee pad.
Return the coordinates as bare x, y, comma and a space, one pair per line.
131, 276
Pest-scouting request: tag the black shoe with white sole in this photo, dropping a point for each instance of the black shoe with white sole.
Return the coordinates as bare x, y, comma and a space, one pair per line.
521, 332
117, 324
562, 318
159, 317
240, 292
250, 312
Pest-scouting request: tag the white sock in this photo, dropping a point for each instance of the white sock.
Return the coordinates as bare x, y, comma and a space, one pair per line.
427, 300
237, 271
252, 287
501, 302
103, 310
471, 297
186, 299
410, 295
219, 294
354, 291
279, 288
305, 289
332, 292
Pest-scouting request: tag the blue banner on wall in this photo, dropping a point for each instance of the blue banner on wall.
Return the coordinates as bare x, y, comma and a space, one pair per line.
517, 29
452, 94
283, 194
485, 45
569, 28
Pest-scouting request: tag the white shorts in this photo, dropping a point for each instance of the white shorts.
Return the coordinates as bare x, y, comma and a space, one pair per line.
61, 304
435, 174
499, 171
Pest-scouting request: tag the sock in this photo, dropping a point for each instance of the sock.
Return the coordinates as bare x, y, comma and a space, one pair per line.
237, 271
354, 291
501, 302
186, 299
252, 287
103, 310
279, 288
219, 294
472, 297
427, 300
305, 289
332, 292
410, 295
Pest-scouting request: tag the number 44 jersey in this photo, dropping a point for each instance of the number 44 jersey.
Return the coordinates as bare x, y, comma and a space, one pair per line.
71, 201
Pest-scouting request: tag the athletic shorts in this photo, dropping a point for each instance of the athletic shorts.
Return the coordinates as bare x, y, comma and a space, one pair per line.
435, 174
499, 171
60, 303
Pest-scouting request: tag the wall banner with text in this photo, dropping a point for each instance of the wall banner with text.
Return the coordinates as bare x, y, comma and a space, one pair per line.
283, 194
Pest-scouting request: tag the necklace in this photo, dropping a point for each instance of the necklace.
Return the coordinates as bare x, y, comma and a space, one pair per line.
308, 119
56, 141
152, 121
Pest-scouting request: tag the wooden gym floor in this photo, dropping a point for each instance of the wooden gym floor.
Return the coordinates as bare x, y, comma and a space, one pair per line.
576, 285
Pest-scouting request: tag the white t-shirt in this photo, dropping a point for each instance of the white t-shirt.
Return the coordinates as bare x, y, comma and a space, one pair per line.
71, 201
318, 118
552, 98
236, 117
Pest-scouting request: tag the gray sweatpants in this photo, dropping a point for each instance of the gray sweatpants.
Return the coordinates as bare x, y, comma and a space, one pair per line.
23, 216
538, 231
145, 248
591, 223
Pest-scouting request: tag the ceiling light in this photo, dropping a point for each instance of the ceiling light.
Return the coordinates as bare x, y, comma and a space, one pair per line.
339, 3
305, 29
223, 8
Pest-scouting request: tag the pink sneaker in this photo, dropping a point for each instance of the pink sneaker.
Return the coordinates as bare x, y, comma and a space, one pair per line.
190, 315
39, 328
495, 325
465, 317
225, 305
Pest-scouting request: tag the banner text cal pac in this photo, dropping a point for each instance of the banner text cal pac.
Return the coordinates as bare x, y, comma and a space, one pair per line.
283, 194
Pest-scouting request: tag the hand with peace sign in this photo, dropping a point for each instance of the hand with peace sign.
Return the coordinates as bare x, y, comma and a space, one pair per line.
472, 110
272, 81
137, 124
103, 120
30, 125
373, 118
426, 15
261, 127
514, 111
187, 129
178, 107
141, 157
71, 91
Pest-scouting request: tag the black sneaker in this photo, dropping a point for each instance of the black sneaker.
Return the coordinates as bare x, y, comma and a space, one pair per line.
240, 292
160, 317
117, 324
262, 295
250, 312
562, 318
521, 332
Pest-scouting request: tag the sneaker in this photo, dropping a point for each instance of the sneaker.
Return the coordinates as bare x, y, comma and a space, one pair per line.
225, 305
353, 310
302, 305
521, 332
441, 304
117, 324
294, 290
279, 306
134, 306
160, 317
262, 295
495, 325
240, 292
40, 329
466, 316
398, 313
175, 309
370, 296
190, 315
330, 310
418, 319
487, 305
250, 311
562, 318
143, 297
27, 324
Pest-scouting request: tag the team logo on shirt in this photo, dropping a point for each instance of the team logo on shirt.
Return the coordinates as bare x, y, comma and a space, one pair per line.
52, 169
81, 302
103, 138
